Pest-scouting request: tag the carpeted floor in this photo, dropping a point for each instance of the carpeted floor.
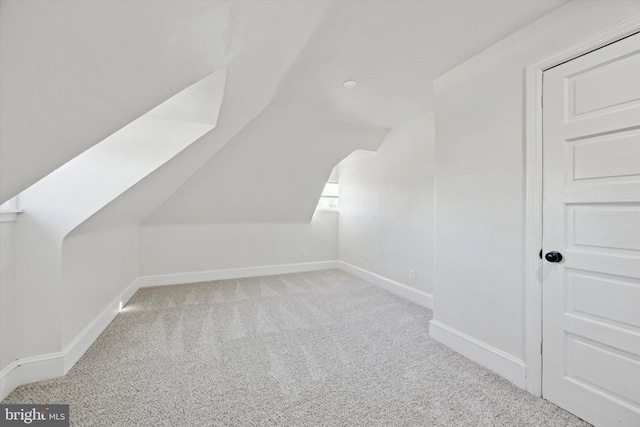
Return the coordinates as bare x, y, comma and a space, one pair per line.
312, 349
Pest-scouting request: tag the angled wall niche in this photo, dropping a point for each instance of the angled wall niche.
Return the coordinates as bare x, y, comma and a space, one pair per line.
72, 194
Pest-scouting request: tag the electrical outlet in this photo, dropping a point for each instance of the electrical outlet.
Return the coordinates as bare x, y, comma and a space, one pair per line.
304, 252
412, 274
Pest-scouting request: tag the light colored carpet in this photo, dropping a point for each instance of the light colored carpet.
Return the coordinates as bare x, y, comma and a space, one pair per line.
316, 349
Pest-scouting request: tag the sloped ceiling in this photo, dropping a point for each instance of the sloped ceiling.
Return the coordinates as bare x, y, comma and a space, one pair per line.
275, 169
74, 72
394, 50
272, 171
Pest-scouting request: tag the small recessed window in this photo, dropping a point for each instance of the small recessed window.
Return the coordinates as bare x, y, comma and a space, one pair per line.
329, 199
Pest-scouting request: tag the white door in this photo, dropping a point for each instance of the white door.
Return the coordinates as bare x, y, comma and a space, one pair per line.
591, 216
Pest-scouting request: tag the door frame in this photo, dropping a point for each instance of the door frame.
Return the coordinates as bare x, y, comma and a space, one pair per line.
533, 202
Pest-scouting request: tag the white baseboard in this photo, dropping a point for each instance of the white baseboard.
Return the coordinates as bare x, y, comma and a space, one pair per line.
419, 297
53, 365
47, 366
498, 361
81, 343
29, 370
235, 273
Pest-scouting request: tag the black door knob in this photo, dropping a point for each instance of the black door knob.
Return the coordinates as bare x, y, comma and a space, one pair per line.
553, 256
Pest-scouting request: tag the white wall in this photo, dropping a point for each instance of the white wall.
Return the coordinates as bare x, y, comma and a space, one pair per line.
97, 265
480, 175
51, 297
386, 206
75, 72
74, 193
178, 249
8, 331
273, 170
101, 71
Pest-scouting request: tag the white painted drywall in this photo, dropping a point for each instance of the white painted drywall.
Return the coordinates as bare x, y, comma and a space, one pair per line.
387, 206
394, 49
178, 248
8, 331
274, 170
97, 265
480, 174
72, 73
72, 194
51, 267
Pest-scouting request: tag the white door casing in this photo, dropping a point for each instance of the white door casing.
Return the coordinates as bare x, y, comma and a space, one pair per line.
591, 214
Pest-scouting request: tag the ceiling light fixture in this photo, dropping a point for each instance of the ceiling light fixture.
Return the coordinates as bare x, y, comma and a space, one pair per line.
350, 84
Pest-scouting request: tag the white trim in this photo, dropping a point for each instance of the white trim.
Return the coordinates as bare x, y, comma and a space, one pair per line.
419, 297
10, 209
10, 215
533, 211
234, 273
601, 39
53, 365
29, 370
81, 343
533, 231
498, 361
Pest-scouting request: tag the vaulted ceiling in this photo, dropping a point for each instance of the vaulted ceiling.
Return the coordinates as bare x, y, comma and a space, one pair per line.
72, 73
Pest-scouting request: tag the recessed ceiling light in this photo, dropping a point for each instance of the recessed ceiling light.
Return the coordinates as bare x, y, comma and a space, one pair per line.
350, 84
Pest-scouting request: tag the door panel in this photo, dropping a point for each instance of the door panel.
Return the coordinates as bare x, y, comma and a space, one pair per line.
590, 92
606, 226
591, 214
586, 291
615, 368
602, 157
